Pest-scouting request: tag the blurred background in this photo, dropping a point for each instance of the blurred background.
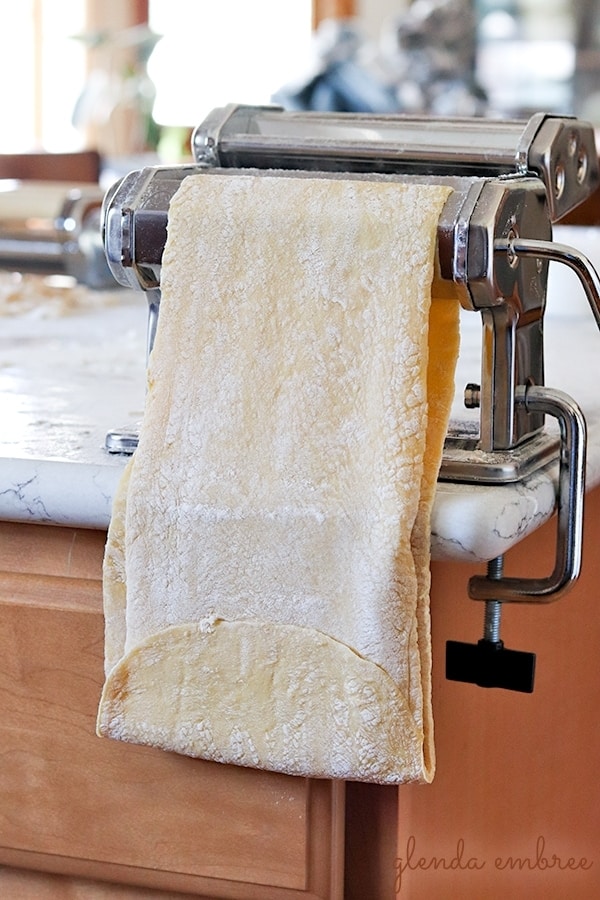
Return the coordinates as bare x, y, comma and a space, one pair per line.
131, 78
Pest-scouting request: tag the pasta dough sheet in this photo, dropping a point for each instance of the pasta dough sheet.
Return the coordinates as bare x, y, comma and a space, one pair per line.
267, 566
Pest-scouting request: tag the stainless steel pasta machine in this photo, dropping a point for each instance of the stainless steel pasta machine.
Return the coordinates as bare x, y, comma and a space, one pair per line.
511, 180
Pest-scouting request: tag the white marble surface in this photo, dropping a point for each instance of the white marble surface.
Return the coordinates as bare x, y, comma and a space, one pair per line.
66, 380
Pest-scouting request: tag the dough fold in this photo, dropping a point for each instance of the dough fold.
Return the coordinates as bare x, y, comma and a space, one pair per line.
267, 567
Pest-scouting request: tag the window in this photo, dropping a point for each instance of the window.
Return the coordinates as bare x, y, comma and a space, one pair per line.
42, 70
209, 54
213, 54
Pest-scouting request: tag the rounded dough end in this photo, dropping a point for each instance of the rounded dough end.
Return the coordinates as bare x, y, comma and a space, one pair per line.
279, 697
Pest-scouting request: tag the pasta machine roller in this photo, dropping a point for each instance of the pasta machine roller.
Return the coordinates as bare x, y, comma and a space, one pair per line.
50, 229
511, 180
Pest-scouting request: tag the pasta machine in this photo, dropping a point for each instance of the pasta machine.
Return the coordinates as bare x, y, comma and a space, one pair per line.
51, 229
511, 180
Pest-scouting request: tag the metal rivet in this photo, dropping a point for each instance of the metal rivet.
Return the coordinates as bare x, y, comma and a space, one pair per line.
582, 166
559, 181
511, 256
572, 144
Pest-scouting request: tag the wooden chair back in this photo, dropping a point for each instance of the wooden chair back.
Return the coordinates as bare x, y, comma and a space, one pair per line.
78, 167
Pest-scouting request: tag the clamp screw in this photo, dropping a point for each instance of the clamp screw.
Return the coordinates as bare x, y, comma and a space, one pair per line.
488, 663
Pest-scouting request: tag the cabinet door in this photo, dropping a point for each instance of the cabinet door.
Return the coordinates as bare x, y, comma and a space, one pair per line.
514, 809
73, 803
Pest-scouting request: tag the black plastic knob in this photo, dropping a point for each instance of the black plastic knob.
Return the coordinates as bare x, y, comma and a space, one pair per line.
489, 664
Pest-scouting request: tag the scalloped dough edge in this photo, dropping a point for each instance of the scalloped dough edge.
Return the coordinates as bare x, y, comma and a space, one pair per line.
278, 697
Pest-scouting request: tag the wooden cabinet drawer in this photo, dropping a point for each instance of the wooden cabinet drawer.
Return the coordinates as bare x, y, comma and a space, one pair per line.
73, 803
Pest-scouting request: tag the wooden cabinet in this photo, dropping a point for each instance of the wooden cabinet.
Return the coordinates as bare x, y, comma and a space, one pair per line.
514, 810
77, 804
83, 807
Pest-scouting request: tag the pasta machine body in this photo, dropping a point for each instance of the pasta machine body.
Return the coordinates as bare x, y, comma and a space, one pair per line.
510, 181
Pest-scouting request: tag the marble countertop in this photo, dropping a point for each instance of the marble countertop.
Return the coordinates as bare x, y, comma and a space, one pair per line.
65, 380
68, 378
